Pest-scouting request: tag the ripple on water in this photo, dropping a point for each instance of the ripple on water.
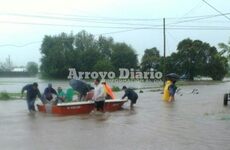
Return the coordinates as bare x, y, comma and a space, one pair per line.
191, 122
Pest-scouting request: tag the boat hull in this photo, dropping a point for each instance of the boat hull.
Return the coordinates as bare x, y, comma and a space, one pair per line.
113, 105
74, 108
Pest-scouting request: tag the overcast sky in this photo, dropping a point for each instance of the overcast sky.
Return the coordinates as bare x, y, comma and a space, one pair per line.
138, 23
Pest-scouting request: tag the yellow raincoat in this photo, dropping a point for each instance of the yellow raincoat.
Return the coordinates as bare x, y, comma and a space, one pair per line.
166, 95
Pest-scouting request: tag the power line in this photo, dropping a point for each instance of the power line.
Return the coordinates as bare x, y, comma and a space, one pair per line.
70, 25
191, 10
198, 18
187, 13
127, 26
91, 20
198, 28
76, 17
124, 27
106, 19
115, 32
88, 26
108, 27
122, 31
23, 45
216, 9
193, 26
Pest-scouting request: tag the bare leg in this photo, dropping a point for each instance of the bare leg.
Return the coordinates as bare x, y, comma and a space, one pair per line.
131, 105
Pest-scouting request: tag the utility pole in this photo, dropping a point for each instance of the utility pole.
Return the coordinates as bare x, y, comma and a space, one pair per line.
164, 45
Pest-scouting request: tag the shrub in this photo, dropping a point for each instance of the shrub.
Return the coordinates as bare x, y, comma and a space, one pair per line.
4, 96
115, 88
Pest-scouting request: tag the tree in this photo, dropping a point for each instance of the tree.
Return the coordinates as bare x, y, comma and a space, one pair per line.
150, 59
7, 65
84, 53
89, 59
57, 53
103, 65
84, 41
199, 58
105, 46
225, 49
172, 64
32, 68
217, 68
123, 56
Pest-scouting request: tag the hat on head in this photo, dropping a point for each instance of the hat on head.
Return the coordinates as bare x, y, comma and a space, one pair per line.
35, 84
124, 87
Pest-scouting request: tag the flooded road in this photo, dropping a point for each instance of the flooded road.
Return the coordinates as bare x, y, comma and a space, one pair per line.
15, 84
192, 122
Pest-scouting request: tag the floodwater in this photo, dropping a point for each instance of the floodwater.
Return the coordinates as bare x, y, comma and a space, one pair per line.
192, 122
16, 84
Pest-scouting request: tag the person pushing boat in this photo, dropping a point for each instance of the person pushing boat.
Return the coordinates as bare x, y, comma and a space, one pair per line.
131, 94
48, 93
32, 93
99, 96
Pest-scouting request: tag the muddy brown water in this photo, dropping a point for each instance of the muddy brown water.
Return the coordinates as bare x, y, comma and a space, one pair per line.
16, 84
192, 122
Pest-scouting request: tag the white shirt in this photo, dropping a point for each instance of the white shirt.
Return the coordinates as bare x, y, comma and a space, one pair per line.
99, 93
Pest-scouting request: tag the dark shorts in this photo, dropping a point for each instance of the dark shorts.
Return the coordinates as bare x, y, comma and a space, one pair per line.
99, 105
134, 100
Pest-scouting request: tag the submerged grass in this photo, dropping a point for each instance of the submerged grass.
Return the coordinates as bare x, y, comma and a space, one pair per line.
9, 96
4, 96
116, 89
198, 82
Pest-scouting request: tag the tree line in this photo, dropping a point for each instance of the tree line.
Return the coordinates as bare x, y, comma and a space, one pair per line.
86, 53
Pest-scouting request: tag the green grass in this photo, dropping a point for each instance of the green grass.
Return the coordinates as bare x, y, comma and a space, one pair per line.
198, 82
4, 96
116, 88
9, 96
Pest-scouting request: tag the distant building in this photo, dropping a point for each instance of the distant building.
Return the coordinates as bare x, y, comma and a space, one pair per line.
19, 69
